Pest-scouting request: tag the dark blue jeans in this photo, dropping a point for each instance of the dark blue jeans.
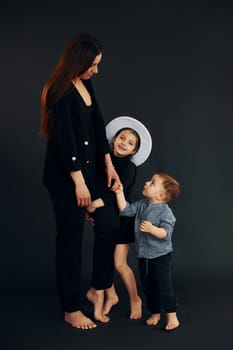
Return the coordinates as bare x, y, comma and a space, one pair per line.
157, 283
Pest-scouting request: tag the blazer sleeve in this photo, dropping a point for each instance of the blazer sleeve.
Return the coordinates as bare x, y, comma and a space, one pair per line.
63, 135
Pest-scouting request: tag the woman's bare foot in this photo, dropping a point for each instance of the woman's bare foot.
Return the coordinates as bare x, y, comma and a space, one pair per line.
111, 300
136, 309
97, 298
153, 320
79, 320
172, 322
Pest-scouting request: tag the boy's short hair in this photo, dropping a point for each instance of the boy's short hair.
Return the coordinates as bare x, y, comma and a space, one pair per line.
172, 186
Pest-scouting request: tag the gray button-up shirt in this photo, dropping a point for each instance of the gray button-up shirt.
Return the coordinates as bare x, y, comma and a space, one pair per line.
147, 245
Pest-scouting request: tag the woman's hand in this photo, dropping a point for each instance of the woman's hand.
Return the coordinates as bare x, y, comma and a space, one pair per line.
112, 176
82, 193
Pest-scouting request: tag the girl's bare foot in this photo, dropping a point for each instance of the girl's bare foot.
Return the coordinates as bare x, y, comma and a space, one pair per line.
172, 322
153, 320
97, 298
111, 300
79, 320
136, 309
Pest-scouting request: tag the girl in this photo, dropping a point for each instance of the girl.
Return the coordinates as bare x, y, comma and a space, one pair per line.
113, 234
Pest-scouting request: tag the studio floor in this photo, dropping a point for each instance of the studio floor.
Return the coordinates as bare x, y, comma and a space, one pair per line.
30, 320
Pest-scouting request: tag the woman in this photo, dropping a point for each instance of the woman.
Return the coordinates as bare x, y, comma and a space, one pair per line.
73, 123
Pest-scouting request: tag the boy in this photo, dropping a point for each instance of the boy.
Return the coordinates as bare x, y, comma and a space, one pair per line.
154, 224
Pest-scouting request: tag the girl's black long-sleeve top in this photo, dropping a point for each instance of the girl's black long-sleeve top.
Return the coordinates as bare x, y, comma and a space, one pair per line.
127, 173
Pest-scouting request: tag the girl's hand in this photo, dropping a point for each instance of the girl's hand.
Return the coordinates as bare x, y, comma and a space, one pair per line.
91, 209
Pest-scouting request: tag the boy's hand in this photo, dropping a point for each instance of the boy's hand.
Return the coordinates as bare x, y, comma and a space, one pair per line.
145, 226
117, 188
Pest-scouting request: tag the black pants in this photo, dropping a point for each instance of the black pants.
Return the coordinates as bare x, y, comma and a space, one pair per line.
70, 223
157, 283
106, 227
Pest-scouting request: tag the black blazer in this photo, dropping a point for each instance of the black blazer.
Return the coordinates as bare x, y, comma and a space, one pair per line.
77, 141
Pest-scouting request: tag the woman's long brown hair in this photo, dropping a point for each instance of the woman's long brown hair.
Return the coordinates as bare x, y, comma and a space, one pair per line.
76, 58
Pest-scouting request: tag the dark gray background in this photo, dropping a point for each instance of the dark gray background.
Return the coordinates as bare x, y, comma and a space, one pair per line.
167, 63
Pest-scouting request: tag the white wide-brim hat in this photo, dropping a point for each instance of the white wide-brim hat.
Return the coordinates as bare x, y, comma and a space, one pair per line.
145, 138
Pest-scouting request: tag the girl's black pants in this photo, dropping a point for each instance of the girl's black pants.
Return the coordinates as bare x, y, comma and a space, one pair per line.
106, 228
